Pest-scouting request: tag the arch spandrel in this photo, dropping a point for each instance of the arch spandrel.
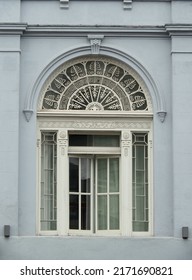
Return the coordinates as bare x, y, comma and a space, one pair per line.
95, 84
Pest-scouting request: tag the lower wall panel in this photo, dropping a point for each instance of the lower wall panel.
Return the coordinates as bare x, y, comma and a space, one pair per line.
70, 248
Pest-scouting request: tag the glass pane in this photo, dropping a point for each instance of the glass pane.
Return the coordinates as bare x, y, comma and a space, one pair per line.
140, 212
140, 189
106, 141
146, 170
80, 140
140, 157
140, 226
94, 140
113, 174
85, 175
102, 212
133, 195
74, 212
102, 175
85, 212
114, 211
140, 176
73, 174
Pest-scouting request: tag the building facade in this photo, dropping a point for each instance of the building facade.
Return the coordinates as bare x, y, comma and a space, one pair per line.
95, 116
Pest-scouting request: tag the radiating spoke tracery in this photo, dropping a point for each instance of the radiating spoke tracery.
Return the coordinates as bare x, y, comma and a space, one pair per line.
95, 84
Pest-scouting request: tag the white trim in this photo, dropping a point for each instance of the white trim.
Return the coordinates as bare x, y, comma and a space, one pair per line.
94, 150
125, 128
74, 113
38, 180
150, 186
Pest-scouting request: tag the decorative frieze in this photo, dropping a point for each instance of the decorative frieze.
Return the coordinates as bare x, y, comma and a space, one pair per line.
94, 124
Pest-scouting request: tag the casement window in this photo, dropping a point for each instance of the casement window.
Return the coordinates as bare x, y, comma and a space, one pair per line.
94, 151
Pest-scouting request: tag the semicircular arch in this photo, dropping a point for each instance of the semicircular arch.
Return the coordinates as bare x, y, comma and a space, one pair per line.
95, 83
123, 79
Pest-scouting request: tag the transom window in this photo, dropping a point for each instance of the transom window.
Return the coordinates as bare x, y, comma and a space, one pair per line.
95, 84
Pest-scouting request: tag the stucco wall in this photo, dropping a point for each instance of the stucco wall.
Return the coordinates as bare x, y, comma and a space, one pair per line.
155, 36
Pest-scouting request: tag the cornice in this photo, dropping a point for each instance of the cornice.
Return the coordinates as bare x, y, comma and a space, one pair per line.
96, 114
107, 30
81, 31
12, 28
84, 30
179, 29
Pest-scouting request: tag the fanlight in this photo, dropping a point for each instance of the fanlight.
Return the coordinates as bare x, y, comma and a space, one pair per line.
95, 84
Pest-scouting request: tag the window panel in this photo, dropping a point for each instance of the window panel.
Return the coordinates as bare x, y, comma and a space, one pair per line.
114, 174
140, 226
139, 157
139, 179
48, 181
73, 174
80, 191
94, 140
114, 212
102, 212
108, 204
102, 175
85, 212
85, 175
74, 212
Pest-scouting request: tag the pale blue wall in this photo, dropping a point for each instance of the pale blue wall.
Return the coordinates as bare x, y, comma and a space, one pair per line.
164, 50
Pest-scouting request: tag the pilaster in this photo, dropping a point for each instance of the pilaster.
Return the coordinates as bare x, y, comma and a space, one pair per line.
9, 115
126, 153
63, 181
182, 130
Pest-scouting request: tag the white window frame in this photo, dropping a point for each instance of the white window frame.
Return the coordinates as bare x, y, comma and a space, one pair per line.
124, 125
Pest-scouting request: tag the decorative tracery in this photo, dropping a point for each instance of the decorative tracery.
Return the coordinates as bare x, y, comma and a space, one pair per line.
96, 83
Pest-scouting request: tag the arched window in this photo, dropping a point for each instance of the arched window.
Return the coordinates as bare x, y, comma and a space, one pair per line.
95, 150
95, 84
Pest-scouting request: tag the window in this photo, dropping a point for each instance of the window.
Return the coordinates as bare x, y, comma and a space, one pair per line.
93, 194
95, 156
96, 184
48, 208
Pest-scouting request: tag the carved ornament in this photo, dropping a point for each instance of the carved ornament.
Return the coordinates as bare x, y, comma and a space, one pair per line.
95, 83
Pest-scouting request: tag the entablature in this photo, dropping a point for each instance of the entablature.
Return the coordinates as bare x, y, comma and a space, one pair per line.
61, 30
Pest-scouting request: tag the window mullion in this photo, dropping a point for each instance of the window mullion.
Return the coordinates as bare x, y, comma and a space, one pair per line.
108, 197
94, 195
150, 182
80, 194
